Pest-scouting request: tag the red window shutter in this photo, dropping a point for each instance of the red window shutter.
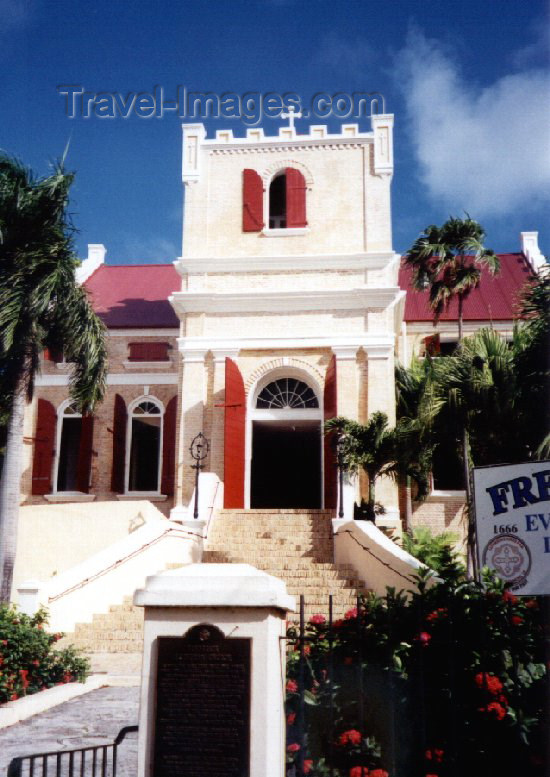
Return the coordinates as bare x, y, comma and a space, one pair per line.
234, 436
169, 447
119, 445
330, 411
53, 354
295, 198
85, 454
432, 345
253, 201
44, 448
148, 352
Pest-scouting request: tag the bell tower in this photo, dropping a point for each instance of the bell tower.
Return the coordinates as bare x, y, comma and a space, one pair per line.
289, 305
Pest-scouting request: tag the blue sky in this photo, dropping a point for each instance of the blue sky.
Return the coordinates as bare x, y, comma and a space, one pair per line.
468, 82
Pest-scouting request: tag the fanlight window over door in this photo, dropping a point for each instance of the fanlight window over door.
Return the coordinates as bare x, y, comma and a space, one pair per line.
287, 393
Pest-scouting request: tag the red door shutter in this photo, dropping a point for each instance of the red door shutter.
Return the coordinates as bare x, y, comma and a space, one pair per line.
119, 445
44, 443
85, 454
330, 411
253, 201
169, 447
295, 198
234, 436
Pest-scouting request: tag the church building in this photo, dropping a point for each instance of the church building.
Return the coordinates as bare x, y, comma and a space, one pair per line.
288, 306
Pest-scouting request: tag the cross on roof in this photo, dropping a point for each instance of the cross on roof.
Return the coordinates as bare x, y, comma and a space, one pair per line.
291, 115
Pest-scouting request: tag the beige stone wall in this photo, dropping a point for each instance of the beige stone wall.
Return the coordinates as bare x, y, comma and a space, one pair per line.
347, 204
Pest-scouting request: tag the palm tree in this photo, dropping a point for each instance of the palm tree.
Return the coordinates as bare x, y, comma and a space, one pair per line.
41, 306
447, 260
381, 451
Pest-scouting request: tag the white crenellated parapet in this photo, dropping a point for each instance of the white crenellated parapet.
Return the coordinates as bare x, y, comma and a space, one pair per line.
382, 126
94, 260
530, 248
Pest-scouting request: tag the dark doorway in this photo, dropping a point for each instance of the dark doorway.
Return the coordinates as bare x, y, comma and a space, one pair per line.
286, 465
144, 455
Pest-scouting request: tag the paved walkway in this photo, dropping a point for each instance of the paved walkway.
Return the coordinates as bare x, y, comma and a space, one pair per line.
90, 719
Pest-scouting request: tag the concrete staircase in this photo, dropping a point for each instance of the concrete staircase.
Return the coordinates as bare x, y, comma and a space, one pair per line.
294, 545
113, 641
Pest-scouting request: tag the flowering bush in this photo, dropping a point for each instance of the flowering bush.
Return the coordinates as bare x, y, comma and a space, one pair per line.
451, 680
28, 660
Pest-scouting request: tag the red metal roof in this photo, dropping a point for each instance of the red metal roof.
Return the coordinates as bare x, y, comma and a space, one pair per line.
137, 295
134, 295
495, 299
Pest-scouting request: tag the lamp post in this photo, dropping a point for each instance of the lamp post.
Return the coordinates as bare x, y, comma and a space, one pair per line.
340, 444
198, 449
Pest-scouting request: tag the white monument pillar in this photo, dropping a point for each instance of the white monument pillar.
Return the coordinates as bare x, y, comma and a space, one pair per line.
213, 678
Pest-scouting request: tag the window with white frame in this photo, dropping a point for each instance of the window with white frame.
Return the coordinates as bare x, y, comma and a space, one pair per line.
144, 446
68, 444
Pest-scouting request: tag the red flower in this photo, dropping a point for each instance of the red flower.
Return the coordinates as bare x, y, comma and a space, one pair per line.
35, 662
351, 737
358, 771
293, 748
424, 638
292, 686
14, 697
24, 679
318, 619
532, 604
348, 660
436, 755
378, 773
337, 624
497, 709
517, 620
290, 718
351, 614
508, 596
489, 682
308, 765
433, 616
432, 775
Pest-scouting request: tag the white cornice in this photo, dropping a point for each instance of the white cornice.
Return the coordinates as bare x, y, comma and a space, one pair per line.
283, 301
451, 327
136, 378
379, 343
246, 264
152, 332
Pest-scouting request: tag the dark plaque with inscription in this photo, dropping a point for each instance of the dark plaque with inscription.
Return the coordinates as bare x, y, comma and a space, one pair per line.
202, 723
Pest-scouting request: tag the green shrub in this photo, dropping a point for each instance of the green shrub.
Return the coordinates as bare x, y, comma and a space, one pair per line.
28, 660
452, 680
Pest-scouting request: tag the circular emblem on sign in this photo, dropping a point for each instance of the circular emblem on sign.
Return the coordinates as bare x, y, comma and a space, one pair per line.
509, 557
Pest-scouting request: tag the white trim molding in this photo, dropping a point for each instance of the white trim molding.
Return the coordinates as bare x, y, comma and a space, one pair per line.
369, 342
136, 379
128, 365
284, 231
284, 301
305, 263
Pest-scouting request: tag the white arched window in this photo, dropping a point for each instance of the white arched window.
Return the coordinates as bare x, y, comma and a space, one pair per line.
144, 446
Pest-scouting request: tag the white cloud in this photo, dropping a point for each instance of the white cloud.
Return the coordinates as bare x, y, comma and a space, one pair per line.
484, 150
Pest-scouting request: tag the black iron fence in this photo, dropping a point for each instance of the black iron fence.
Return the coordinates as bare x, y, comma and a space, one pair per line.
90, 761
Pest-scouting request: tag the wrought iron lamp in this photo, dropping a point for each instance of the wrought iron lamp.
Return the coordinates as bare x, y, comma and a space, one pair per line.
199, 450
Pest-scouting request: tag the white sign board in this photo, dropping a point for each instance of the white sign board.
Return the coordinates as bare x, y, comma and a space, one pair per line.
512, 504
